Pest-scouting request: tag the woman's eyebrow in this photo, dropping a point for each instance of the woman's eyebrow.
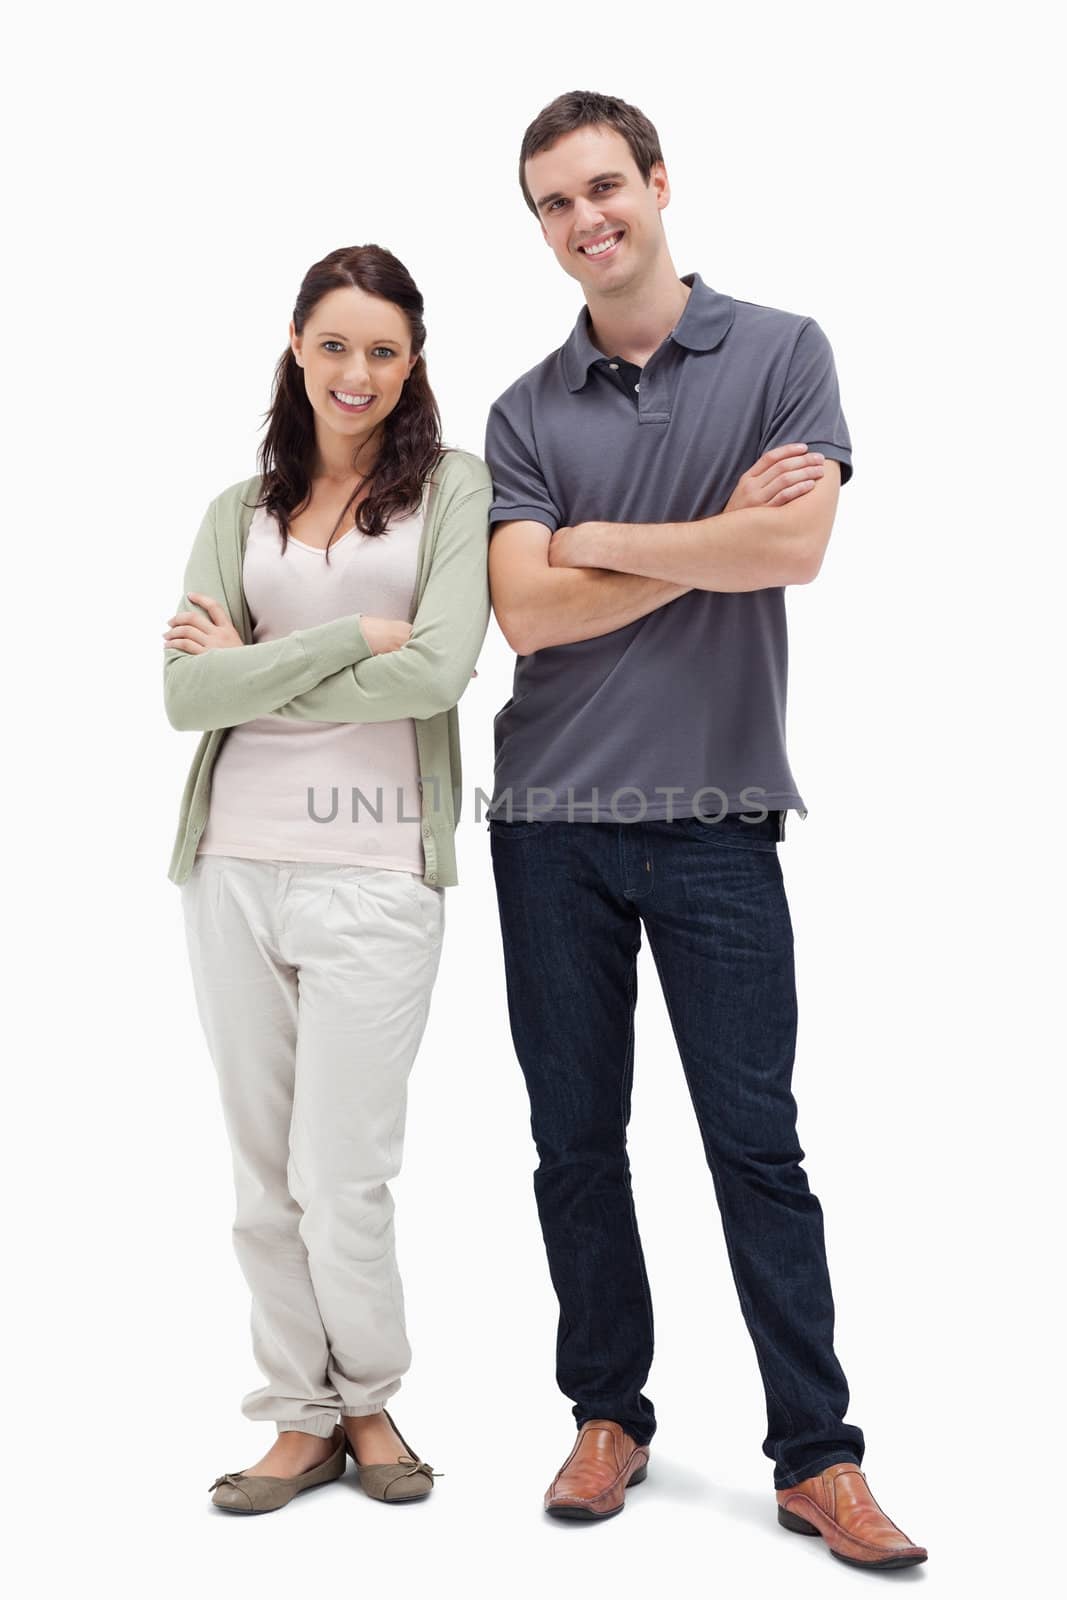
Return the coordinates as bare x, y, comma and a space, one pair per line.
326, 334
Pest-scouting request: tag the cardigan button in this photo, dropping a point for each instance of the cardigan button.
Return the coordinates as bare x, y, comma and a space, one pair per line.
431, 877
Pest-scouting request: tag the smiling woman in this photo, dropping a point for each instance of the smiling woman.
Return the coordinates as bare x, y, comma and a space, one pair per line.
314, 939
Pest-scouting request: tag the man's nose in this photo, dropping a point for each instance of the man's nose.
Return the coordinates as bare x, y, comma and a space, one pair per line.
587, 216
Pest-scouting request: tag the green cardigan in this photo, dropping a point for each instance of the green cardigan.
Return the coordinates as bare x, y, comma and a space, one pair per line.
329, 673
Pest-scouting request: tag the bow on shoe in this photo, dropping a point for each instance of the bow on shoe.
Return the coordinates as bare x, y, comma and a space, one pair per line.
414, 1466
227, 1477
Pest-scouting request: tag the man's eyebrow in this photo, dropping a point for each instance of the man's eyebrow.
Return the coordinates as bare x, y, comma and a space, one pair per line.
601, 177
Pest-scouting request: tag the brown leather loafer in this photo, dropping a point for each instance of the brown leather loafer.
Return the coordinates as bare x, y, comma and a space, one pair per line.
593, 1480
838, 1505
237, 1491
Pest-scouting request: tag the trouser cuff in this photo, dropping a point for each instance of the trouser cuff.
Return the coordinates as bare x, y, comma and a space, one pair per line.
321, 1427
789, 1480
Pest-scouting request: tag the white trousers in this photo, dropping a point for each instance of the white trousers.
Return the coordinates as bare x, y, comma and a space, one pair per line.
313, 986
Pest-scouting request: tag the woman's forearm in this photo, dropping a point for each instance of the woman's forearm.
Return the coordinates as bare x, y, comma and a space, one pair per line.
223, 688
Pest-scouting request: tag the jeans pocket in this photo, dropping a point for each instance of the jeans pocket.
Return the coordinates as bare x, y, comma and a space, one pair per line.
733, 832
519, 829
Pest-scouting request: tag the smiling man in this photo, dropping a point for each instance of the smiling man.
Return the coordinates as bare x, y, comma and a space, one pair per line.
659, 481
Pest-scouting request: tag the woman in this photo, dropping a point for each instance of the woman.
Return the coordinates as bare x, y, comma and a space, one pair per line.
334, 608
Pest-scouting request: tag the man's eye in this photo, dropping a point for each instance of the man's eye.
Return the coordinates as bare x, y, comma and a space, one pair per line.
554, 203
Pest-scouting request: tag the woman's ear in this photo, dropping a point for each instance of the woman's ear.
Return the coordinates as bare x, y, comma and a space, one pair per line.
295, 342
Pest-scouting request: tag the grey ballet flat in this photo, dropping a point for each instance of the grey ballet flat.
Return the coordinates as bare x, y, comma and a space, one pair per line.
236, 1491
407, 1478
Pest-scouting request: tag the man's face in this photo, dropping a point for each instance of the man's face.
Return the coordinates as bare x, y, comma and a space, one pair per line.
597, 213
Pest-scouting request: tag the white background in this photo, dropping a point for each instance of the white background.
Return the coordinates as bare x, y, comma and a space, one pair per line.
889, 172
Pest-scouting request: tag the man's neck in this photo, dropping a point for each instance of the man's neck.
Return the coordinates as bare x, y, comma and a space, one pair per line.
634, 323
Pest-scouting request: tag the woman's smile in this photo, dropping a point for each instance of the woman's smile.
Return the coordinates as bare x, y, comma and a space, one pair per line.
353, 404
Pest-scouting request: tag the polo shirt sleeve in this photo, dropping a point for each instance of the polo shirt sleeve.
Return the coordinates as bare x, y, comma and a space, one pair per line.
519, 488
808, 409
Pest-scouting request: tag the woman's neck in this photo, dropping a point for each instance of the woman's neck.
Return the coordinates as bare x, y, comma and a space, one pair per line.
340, 464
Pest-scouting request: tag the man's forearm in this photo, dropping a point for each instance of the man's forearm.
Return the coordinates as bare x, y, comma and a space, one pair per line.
572, 603
762, 547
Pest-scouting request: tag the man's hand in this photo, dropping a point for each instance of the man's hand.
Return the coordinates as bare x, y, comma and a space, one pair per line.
574, 547
783, 474
189, 632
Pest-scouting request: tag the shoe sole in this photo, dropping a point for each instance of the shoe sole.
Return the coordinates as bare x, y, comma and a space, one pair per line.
795, 1524
581, 1514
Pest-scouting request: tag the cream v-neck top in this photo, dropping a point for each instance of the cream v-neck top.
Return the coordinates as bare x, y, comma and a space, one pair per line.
294, 790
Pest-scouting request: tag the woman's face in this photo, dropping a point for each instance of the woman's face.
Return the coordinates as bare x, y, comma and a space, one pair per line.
355, 351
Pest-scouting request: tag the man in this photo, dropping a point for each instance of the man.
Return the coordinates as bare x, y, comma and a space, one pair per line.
658, 481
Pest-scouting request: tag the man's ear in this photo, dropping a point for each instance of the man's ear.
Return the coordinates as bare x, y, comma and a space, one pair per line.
295, 342
659, 181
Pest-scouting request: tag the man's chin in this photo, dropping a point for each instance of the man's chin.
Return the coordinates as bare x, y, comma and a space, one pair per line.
607, 285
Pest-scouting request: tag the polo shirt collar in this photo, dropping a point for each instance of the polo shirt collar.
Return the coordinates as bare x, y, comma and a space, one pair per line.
703, 325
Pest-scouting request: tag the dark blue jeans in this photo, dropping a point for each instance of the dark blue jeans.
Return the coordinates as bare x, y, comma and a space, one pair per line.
573, 898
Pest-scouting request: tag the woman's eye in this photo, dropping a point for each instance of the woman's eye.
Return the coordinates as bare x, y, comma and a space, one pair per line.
382, 350
328, 342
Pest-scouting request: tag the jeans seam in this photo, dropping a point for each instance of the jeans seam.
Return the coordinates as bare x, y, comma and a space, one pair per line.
627, 1086
746, 1304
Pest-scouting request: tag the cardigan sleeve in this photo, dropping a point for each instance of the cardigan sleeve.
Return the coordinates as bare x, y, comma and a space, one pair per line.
429, 673
222, 688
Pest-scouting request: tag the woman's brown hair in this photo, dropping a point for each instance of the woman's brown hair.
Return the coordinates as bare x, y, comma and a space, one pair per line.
411, 433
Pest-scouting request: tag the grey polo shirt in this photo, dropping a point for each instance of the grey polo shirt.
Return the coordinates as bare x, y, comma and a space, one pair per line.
682, 712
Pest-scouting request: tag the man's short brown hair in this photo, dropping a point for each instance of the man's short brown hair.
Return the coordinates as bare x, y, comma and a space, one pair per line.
582, 109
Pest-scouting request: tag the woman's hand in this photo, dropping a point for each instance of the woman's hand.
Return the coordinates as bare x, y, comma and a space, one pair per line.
384, 633
782, 475
189, 632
